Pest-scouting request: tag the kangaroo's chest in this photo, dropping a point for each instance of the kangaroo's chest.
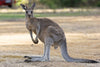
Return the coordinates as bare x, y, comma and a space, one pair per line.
29, 26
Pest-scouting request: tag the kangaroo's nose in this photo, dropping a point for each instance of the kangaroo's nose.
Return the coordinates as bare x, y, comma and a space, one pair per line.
29, 15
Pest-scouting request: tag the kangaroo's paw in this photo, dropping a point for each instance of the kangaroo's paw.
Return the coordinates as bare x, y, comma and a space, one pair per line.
27, 60
33, 60
30, 57
39, 59
27, 57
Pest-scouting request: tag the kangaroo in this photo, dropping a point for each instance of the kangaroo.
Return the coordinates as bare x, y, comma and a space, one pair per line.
51, 34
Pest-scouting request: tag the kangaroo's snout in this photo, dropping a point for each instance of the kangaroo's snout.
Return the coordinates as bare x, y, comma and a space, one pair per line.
29, 16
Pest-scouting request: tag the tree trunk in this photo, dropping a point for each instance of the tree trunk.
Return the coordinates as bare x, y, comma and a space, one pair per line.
12, 3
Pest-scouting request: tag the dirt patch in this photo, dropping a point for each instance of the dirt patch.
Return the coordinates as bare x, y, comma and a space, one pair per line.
83, 38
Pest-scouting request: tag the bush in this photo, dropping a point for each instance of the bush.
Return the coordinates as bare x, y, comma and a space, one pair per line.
18, 2
98, 4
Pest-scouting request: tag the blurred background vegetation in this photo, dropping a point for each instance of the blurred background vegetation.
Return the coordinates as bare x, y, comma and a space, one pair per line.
62, 3
52, 8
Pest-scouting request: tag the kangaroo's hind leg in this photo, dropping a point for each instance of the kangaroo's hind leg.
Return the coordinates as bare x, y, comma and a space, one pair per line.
46, 55
30, 57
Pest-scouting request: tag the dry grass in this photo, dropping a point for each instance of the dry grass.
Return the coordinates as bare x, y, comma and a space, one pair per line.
1, 60
11, 56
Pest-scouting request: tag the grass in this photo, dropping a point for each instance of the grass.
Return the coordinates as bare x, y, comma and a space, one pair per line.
21, 15
2, 60
8, 16
11, 56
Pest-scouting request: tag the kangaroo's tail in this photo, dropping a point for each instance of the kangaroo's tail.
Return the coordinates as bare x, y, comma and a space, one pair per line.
70, 59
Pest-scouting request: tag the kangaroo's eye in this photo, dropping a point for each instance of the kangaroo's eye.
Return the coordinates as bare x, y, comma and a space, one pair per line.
31, 11
26, 11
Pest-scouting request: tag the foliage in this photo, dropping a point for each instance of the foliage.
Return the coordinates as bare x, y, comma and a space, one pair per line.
18, 2
50, 3
71, 3
98, 4
63, 3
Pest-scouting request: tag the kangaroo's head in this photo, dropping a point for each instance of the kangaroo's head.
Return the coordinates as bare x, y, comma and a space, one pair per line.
29, 11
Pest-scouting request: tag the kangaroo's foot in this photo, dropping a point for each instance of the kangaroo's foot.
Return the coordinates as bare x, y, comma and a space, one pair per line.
30, 57
35, 59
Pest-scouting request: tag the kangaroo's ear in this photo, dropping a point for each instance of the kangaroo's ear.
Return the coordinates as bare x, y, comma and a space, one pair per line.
23, 6
33, 6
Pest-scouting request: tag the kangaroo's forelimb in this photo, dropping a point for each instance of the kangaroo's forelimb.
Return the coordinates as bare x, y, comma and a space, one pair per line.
34, 41
37, 34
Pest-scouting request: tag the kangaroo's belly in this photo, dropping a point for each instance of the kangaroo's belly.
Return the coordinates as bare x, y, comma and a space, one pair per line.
42, 36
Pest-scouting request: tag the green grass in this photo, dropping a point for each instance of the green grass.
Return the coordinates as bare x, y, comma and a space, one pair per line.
9, 16
21, 15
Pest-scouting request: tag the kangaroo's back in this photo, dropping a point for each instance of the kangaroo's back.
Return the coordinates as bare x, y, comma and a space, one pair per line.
45, 22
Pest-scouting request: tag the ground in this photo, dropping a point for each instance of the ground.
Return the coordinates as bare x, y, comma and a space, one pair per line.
83, 39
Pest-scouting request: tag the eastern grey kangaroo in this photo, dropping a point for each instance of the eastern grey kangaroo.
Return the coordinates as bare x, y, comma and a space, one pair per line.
51, 34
